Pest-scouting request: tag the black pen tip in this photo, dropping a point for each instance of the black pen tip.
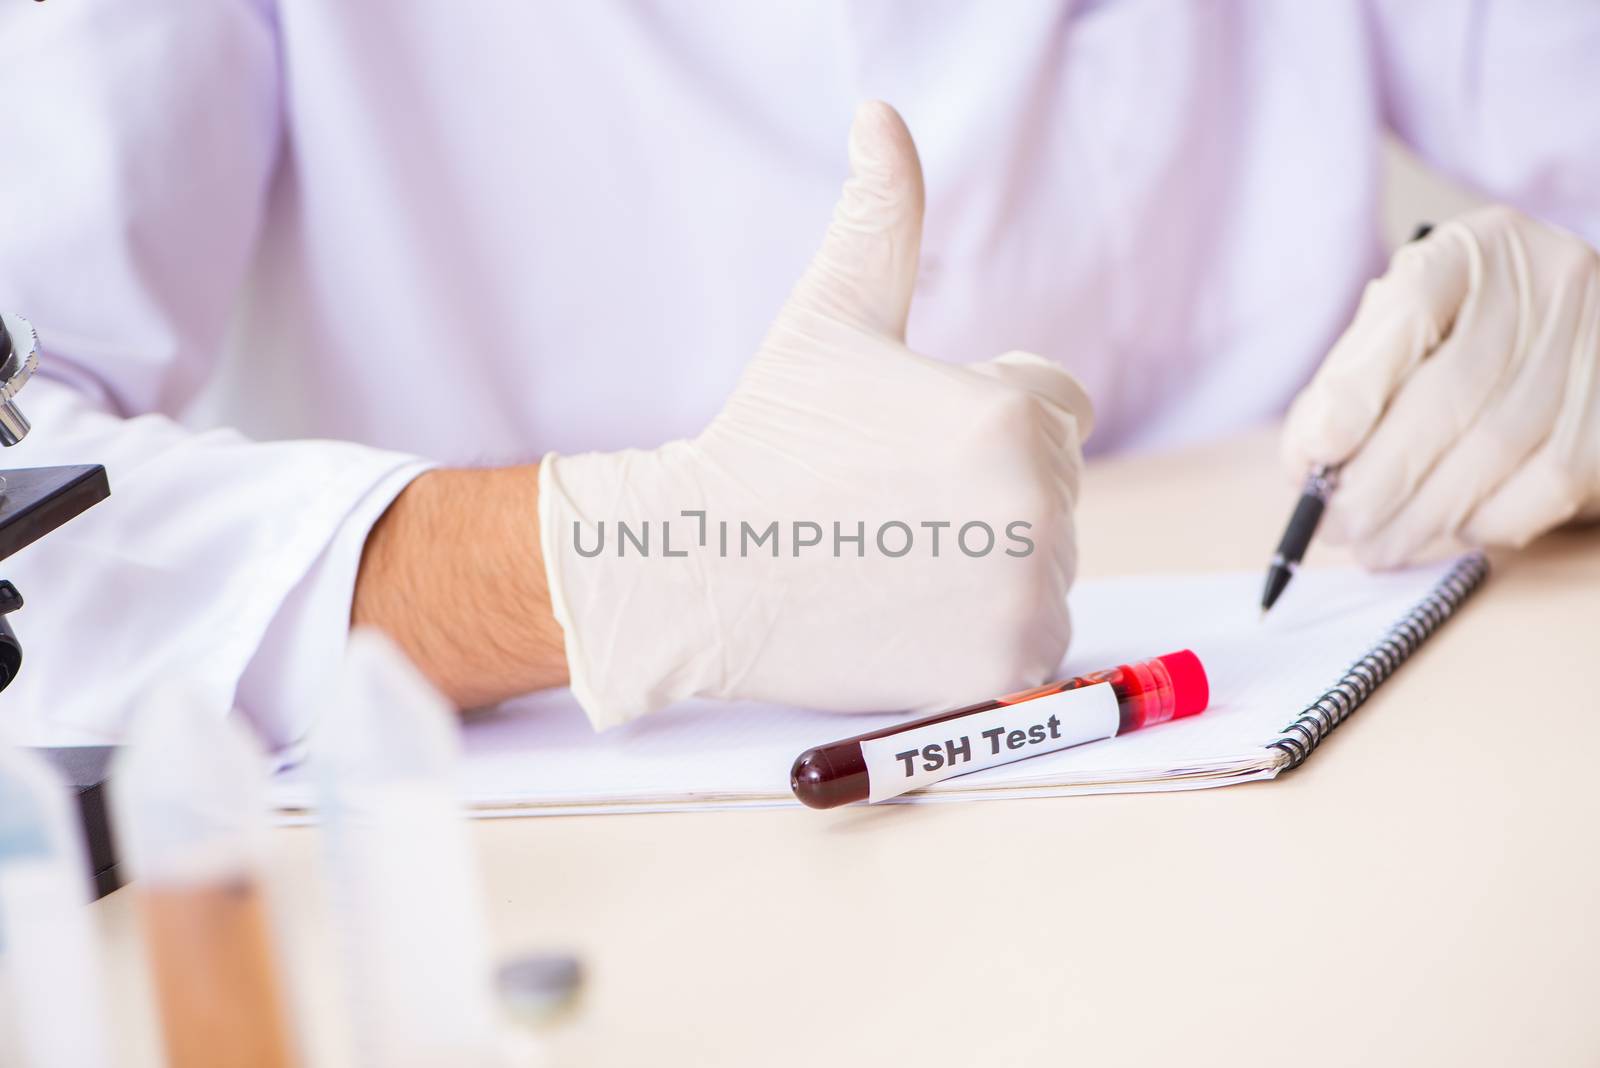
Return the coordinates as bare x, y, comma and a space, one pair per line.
1277, 582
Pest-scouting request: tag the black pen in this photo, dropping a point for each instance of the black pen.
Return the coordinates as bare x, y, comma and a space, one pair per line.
1307, 514
1297, 535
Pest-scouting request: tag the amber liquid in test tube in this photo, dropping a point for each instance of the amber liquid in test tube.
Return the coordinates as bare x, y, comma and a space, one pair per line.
190, 802
216, 982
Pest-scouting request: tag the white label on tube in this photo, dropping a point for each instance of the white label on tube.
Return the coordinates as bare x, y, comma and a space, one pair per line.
910, 760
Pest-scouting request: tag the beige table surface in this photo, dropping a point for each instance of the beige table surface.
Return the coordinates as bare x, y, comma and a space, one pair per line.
1425, 891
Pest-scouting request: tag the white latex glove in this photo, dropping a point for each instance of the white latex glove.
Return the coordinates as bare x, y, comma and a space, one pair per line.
835, 420
1464, 400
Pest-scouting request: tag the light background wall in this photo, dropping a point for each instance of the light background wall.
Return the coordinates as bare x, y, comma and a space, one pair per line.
1412, 193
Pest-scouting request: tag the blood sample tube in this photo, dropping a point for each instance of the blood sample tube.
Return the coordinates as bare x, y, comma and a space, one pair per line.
894, 760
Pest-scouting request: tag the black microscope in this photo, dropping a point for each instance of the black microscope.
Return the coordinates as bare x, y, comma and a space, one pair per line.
33, 502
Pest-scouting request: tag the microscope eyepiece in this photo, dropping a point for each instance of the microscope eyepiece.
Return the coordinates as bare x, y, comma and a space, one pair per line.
19, 355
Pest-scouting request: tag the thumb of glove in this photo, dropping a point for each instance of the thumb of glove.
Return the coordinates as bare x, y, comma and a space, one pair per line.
865, 270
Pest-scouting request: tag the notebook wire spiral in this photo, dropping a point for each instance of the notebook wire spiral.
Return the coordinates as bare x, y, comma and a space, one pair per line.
1319, 719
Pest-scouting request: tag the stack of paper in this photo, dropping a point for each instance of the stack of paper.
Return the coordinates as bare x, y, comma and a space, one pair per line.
538, 756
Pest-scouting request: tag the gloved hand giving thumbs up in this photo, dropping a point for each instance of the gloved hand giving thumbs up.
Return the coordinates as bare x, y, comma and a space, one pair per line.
861, 527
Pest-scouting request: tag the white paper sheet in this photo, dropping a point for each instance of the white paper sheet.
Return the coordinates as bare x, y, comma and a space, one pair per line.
539, 756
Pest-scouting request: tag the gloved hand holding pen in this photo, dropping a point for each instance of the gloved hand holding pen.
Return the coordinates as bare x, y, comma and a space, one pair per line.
1464, 400
836, 427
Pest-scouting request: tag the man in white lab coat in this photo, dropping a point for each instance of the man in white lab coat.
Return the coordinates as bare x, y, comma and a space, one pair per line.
454, 239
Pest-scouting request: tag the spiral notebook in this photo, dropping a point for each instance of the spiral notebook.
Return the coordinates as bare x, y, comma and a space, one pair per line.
1278, 687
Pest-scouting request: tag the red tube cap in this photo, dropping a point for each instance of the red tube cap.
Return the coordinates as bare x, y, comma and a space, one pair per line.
1191, 691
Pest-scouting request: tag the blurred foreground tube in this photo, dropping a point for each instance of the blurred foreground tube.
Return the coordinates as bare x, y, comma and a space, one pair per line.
50, 982
190, 802
405, 887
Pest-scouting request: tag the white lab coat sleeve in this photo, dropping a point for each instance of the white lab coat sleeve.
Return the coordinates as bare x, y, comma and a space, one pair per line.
1500, 95
209, 546
139, 141
304, 644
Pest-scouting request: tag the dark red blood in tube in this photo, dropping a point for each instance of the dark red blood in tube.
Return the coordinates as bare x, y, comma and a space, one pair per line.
1148, 692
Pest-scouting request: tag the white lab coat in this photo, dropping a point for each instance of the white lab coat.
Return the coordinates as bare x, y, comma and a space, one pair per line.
372, 234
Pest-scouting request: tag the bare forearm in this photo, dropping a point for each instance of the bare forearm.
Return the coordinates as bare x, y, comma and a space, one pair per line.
453, 572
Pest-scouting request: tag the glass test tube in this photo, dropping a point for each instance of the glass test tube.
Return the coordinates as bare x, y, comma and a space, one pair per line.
189, 798
405, 885
50, 981
908, 756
